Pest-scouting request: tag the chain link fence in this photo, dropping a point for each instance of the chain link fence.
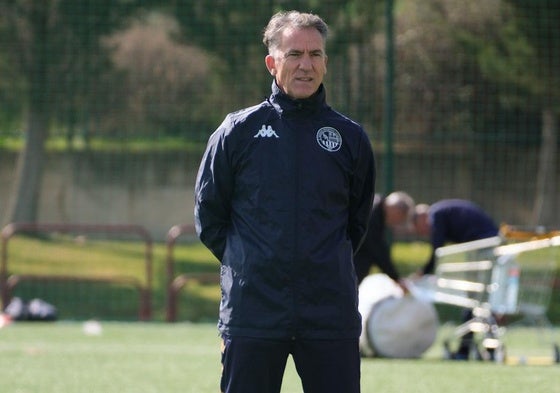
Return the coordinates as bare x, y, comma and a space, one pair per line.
108, 105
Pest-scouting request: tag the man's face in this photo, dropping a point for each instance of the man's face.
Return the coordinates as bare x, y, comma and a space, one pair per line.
422, 224
300, 63
395, 217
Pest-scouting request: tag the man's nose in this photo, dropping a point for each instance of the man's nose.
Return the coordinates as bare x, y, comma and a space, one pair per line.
305, 62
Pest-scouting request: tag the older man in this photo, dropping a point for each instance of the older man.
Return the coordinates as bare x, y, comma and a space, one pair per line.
283, 197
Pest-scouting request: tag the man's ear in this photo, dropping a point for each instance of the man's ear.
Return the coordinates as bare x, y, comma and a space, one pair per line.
270, 64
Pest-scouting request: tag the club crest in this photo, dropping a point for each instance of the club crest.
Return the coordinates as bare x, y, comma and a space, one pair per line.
329, 139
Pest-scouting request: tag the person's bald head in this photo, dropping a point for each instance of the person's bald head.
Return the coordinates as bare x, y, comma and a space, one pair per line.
421, 219
398, 207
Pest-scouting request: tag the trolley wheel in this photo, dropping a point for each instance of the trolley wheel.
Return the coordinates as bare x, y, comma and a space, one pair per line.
500, 354
449, 354
476, 354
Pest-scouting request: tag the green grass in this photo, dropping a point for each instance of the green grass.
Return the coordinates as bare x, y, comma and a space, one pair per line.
197, 302
156, 357
87, 257
184, 357
148, 144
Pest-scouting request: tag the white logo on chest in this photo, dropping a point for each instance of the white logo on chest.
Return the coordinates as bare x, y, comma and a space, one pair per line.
329, 139
266, 132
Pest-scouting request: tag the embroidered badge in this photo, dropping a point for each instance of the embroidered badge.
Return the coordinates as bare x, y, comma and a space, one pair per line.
329, 139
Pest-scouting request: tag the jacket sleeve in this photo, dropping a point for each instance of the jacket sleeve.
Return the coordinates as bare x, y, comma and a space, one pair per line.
382, 257
213, 191
375, 249
361, 193
437, 239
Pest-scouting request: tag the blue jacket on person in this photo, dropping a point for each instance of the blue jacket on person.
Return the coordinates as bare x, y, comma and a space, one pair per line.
282, 199
457, 221
376, 249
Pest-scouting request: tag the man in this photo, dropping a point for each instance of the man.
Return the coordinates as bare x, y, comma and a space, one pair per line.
451, 221
283, 196
392, 212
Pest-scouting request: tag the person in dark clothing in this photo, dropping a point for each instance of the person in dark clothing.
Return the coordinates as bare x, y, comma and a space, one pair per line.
451, 221
282, 199
388, 213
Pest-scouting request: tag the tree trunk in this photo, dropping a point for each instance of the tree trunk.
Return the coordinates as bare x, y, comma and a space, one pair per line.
545, 195
23, 206
24, 200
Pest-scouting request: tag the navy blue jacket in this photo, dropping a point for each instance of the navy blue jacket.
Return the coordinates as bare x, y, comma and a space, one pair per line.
376, 249
457, 221
283, 197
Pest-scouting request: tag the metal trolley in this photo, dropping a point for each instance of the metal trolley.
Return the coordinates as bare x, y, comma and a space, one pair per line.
497, 279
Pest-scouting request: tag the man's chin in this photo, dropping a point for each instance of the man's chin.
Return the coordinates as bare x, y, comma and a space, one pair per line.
301, 94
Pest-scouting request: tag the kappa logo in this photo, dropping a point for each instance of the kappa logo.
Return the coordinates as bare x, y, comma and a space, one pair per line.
266, 132
329, 139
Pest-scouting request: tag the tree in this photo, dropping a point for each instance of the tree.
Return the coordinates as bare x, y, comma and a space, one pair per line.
57, 48
440, 88
231, 30
156, 78
527, 56
52, 39
11, 86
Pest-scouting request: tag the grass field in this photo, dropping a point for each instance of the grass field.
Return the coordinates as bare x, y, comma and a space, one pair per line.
139, 357
156, 357
197, 303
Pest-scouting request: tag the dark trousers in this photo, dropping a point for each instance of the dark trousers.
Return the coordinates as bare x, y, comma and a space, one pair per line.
253, 365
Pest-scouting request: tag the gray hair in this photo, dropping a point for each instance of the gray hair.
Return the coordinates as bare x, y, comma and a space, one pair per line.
280, 21
421, 210
402, 201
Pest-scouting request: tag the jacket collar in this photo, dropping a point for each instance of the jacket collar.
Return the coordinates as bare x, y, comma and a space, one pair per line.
287, 105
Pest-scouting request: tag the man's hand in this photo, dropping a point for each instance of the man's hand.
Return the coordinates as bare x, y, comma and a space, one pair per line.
403, 285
